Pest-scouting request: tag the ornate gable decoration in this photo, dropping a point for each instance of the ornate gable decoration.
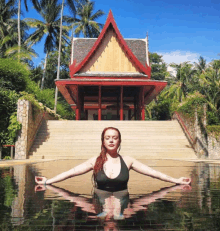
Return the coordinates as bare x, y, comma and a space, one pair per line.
110, 54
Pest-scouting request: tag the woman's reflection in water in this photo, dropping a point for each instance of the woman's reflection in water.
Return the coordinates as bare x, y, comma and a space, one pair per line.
110, 207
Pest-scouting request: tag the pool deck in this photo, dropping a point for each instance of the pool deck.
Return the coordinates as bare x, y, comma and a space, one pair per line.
8, 163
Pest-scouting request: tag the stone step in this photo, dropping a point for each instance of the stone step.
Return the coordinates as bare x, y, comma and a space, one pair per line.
140, 139
87, 147
125, 139
82, 151
140, 156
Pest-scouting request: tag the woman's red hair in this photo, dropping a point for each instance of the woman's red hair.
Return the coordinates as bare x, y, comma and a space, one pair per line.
101, 159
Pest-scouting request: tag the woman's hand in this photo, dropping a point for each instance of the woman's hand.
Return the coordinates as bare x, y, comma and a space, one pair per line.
39, 188
40, 180
183, 180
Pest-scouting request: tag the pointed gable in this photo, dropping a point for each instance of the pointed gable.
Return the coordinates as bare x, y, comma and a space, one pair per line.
109, 54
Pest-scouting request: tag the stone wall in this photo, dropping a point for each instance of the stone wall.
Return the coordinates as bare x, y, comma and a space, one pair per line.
214, 147
205, 145
194, 134
31, 117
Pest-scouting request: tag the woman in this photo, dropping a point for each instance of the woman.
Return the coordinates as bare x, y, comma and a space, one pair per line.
111, 170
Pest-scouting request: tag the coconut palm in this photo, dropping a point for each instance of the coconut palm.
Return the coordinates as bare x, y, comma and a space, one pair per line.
49, 27
72, 8
36, 5
25, 53
8, 25
210, 85
201, 65
9, 33
86, 20
183, 82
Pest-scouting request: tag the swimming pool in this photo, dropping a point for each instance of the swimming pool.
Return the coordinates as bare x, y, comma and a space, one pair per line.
73, 204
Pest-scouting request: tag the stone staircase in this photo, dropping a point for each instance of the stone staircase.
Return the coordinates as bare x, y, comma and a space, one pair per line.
82, 140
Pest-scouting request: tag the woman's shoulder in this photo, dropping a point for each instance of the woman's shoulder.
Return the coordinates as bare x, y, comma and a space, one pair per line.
125, 157
91, 160
128, 160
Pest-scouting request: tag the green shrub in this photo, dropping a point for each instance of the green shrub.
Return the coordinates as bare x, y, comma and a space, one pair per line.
13, 128
159, 110
7, 158
8, 105
214, 129
213, 118
194, 101
13, 75
46, 97
15, 82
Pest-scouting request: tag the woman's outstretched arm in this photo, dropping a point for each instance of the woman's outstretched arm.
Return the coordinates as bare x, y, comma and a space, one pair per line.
76, 171
144, 169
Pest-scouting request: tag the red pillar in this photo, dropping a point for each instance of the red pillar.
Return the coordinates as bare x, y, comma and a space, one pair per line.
77, 105
121, 104
143, 105
100, 104
77, 113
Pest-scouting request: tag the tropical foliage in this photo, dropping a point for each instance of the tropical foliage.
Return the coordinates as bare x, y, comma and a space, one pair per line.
158, 67
15, 82
193, 86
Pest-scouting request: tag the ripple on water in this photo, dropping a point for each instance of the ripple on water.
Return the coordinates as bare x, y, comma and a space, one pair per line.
73, 205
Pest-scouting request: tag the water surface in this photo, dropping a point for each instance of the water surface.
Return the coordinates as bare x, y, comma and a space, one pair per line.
72, 204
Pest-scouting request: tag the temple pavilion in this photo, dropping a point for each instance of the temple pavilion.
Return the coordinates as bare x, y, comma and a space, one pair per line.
109, 77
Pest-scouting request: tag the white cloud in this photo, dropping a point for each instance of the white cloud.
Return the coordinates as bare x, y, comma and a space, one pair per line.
179, 56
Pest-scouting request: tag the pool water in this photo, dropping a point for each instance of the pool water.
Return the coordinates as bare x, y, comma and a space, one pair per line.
75, 205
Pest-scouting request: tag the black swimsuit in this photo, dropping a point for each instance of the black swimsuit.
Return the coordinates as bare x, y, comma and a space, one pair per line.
113, 185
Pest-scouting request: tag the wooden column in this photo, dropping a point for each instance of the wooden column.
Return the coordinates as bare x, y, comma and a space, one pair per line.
142, 105
77, 105
100, 104
121, 104
135, 106
129, 114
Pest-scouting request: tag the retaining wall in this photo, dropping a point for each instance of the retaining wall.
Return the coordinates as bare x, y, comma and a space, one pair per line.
31, 117
205, 144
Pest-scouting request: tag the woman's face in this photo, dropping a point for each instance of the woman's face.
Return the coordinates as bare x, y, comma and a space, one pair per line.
111, 140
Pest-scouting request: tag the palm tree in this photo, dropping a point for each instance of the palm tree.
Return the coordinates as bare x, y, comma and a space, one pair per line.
201, 65
182, 82
49, 26
9, 33
73, 10
210, 85
8, 23
86, 21
36, 5
25, 53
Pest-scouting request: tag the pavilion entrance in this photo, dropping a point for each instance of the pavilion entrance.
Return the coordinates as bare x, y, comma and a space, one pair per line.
110, 102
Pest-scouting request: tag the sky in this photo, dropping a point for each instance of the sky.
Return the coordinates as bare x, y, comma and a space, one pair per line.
178, 30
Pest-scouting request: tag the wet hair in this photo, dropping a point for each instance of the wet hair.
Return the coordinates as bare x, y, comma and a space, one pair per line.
101, 159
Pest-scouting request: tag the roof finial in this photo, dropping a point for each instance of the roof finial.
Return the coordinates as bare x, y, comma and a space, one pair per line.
147, 50
110, 13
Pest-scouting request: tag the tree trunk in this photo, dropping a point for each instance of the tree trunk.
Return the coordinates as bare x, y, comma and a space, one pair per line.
58, 65
19, 29
44, 72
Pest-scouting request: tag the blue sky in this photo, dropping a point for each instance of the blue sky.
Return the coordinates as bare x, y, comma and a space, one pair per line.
180, 31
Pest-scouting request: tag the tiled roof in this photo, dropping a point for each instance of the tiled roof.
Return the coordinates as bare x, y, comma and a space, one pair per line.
82, 46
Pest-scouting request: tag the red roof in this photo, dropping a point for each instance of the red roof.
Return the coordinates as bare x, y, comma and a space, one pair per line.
110, 22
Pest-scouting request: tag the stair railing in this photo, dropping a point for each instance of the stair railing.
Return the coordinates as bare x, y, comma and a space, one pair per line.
177, 116
192, 141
